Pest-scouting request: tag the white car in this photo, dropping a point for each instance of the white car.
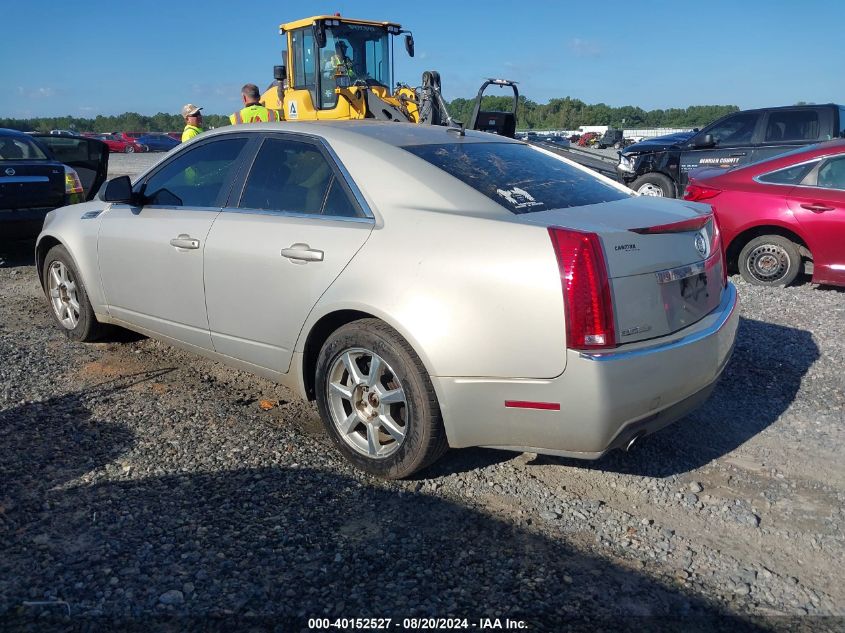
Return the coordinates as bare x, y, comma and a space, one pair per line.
426, 287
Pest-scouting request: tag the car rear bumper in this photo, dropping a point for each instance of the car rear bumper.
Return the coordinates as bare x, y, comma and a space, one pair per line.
18, 223
602, 400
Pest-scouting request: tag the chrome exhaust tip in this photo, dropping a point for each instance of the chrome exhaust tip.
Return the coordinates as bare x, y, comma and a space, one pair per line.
632, 441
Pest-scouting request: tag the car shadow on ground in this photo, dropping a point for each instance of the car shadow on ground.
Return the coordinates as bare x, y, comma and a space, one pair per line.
758, 385
277, 544
15, 253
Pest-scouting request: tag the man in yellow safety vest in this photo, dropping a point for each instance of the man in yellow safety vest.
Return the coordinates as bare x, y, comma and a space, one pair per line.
193, 121
252, 112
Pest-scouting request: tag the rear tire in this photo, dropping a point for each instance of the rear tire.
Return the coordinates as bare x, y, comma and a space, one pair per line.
654, 184
769, 260
68, 298
129, 149
386, 423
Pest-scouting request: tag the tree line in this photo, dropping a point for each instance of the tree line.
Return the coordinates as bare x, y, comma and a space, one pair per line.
558, 114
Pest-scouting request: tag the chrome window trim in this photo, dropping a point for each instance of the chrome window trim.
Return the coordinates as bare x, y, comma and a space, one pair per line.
726, 308
299, 214
784, 184
347, 177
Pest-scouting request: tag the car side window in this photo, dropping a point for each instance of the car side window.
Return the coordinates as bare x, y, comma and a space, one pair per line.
735, 130
832, 174
195, 178
792, 125
789, 176
295, 177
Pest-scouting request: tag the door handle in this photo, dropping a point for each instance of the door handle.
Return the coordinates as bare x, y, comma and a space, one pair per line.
816, 207
301, 253
185, 241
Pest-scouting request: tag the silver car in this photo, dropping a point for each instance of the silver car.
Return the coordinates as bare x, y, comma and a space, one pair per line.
427, 288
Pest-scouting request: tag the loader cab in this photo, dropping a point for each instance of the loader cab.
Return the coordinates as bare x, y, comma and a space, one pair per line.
329, 52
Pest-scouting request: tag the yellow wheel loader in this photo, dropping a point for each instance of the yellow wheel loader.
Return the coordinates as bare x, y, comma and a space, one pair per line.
339, 68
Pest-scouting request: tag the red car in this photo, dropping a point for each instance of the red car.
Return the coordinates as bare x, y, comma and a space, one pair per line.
782, 215
119, 145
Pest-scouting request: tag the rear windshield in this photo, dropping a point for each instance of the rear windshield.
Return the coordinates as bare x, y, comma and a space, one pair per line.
520, 178
19, 148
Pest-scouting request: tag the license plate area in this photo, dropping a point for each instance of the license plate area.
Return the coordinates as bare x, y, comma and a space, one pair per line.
690, 292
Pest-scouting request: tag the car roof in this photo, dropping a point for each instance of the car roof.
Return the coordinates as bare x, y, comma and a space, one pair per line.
9, 132
390, 133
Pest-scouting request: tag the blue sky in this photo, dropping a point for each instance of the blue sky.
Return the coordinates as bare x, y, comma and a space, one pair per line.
107, 57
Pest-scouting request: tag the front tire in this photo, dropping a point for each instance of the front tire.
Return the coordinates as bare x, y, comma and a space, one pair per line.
654, 185
377, 402
769, 260
68, 297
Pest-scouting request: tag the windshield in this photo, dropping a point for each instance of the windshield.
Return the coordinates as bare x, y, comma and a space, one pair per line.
360, 51
519, 177
19, 148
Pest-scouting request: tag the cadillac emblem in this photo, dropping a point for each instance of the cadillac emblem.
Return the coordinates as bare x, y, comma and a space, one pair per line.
10, 171
701, 244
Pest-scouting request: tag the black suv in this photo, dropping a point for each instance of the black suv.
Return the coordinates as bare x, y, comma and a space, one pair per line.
660, 167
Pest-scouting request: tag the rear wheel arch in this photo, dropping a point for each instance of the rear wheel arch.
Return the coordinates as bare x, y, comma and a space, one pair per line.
738, 243
327, 324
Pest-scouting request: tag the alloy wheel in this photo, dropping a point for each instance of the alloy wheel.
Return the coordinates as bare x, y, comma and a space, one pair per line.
62, 289
367, 403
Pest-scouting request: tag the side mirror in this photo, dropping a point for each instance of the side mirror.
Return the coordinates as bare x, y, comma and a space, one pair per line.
409, 44
704, 141
280, 73
117, 190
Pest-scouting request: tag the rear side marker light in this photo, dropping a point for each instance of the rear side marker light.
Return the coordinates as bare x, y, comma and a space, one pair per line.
587, 305
524, 404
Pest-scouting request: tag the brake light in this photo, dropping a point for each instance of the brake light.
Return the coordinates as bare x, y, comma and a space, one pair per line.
696, 193
72, 182
586, 289
693, 224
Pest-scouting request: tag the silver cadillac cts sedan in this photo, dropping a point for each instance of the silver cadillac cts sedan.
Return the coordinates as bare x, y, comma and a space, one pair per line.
427, 288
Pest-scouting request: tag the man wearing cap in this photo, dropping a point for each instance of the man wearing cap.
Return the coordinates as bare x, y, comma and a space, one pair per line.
253, 111
193, 121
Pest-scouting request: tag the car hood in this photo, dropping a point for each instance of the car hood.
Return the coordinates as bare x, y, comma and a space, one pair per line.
654, 145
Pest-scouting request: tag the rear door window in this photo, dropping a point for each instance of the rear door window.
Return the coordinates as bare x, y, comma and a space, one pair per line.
518, 177
792, 125
295, 177
832, 174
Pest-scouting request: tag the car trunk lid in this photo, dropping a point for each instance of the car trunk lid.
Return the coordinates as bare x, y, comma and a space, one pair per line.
31, 184
663, 261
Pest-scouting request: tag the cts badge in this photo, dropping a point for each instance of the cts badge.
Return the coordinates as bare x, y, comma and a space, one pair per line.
701, 243
10, 171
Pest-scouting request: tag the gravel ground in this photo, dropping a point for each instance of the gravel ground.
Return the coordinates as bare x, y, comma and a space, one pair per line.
138, 481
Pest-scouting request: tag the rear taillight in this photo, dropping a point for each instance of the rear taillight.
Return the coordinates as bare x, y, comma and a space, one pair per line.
72, 182
586, 289
696, 193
